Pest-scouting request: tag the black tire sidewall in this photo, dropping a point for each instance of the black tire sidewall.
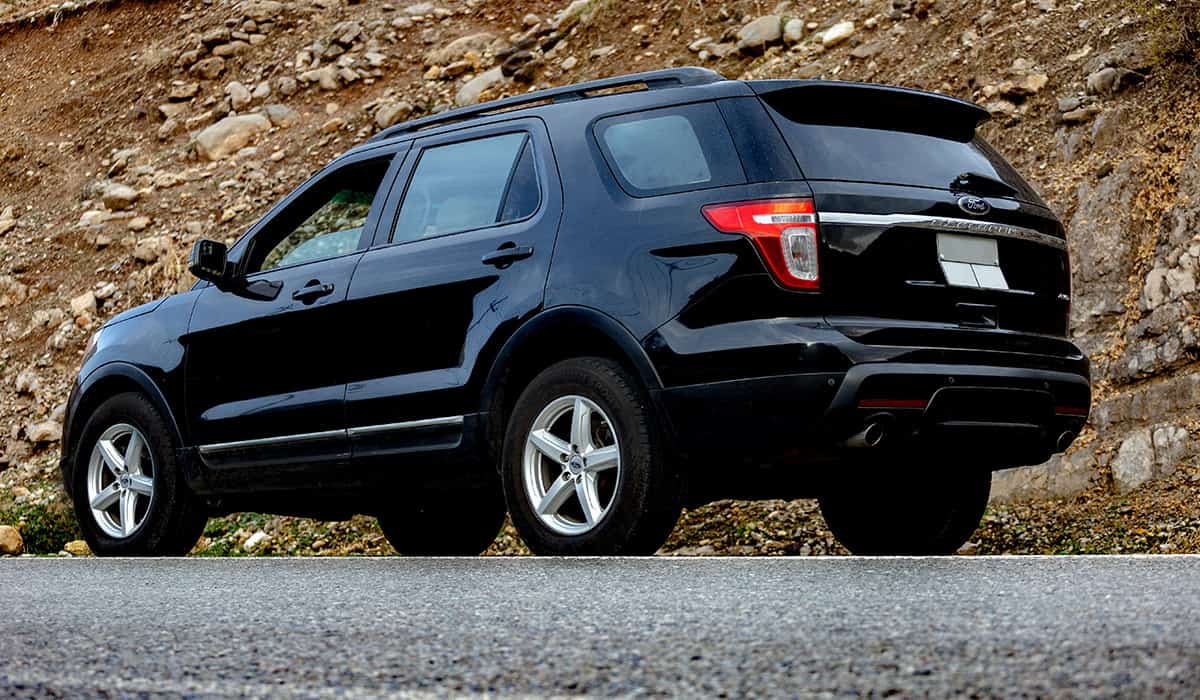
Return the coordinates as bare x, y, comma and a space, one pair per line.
176, 517
645, 503
905, 505
446, 523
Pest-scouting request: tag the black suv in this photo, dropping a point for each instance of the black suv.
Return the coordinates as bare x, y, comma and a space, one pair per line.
591, 306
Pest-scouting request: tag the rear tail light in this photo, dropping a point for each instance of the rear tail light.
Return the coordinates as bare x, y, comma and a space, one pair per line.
783, 230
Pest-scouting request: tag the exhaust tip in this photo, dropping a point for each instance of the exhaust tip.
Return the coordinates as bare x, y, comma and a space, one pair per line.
1065, 440
874, 434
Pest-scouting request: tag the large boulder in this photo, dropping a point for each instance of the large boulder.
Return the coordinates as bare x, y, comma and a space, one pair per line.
230, 135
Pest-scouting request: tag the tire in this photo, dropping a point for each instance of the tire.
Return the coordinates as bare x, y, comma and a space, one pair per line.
905, 506
634, 501
446, 524
167, 518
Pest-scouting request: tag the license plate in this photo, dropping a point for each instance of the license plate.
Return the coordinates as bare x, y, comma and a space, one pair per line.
970, 261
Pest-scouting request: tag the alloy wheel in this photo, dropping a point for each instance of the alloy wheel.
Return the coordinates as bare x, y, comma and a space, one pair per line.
572, 465
120, 480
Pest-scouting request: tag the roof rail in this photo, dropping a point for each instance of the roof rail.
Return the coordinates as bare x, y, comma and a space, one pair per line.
652, 80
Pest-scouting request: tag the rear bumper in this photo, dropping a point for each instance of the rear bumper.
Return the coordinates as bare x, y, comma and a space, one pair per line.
1014, 409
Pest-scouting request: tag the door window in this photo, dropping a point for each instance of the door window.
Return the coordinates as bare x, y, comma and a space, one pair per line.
325, 222
469, 185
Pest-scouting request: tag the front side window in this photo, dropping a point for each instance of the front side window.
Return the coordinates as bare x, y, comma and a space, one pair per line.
325, 222
469, 185
670, 150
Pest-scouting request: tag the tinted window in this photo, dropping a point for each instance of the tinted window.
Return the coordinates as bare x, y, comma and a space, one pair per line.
894, 147
463, 186
324, 222
670, 150
524, 194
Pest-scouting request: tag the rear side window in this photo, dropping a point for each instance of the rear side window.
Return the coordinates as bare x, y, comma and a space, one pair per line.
469, 185
670, 150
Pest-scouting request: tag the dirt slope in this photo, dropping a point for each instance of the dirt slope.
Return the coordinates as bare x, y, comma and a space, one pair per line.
102, 190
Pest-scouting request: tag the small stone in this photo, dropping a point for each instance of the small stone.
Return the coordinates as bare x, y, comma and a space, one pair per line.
287, 86
44, 432
209, 68
253, 541
459, 48
1069, 104
531, 20
569, 62
1134, 463
793, 31
77, 548
239, 95
837, 34
391, 113
83, 304
470, 93
151, 248
282, 116
139, 223
233, 48
118, 197
230, 135
27, 382
332, 125
759, 33
1103, 81
182, 92
106, 290
11, 543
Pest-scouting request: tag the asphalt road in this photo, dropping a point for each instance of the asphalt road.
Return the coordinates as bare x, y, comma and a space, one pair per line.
1102, 626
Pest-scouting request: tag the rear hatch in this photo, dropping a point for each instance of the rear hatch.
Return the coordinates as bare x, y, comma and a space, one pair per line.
921, 222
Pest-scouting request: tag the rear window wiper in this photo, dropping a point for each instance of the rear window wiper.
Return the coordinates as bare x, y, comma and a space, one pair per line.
976, 183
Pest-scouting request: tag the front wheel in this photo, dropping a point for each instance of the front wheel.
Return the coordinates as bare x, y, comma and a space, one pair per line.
583, 466
905, 505
129, 492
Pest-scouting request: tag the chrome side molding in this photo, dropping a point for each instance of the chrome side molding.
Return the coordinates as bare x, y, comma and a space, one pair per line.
406, 425
939, 223
218, 447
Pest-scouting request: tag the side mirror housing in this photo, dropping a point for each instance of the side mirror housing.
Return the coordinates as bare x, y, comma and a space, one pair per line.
208, 261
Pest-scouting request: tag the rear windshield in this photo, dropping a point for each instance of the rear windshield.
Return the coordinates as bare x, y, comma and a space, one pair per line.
882, 153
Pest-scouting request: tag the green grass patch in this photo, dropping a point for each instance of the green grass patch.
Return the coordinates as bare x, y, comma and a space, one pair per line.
45, 528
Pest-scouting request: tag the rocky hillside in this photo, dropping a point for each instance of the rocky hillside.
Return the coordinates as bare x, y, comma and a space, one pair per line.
130, 129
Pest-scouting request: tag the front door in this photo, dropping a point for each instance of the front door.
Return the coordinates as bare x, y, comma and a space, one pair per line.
464, 262
266, 377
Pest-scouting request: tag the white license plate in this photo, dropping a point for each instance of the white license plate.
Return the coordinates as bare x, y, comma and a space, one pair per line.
970, 261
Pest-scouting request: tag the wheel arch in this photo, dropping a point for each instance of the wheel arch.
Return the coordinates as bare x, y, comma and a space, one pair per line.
101, 384
551, 336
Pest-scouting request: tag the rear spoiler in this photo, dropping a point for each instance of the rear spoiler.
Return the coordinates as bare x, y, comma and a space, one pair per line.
868, 106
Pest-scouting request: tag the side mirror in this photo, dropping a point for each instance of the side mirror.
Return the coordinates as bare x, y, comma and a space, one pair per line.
208, 261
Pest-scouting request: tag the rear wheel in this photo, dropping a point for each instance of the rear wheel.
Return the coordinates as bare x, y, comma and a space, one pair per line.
129, 492
583, 468
906, 505
446, 523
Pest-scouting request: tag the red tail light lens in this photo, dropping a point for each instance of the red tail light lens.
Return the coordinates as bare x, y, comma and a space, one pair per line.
783, 230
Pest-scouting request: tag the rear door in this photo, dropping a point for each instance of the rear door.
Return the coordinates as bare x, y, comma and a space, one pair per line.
463, 262
920, 219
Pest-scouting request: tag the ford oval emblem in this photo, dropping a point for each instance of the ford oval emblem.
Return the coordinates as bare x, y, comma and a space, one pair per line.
975, 206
